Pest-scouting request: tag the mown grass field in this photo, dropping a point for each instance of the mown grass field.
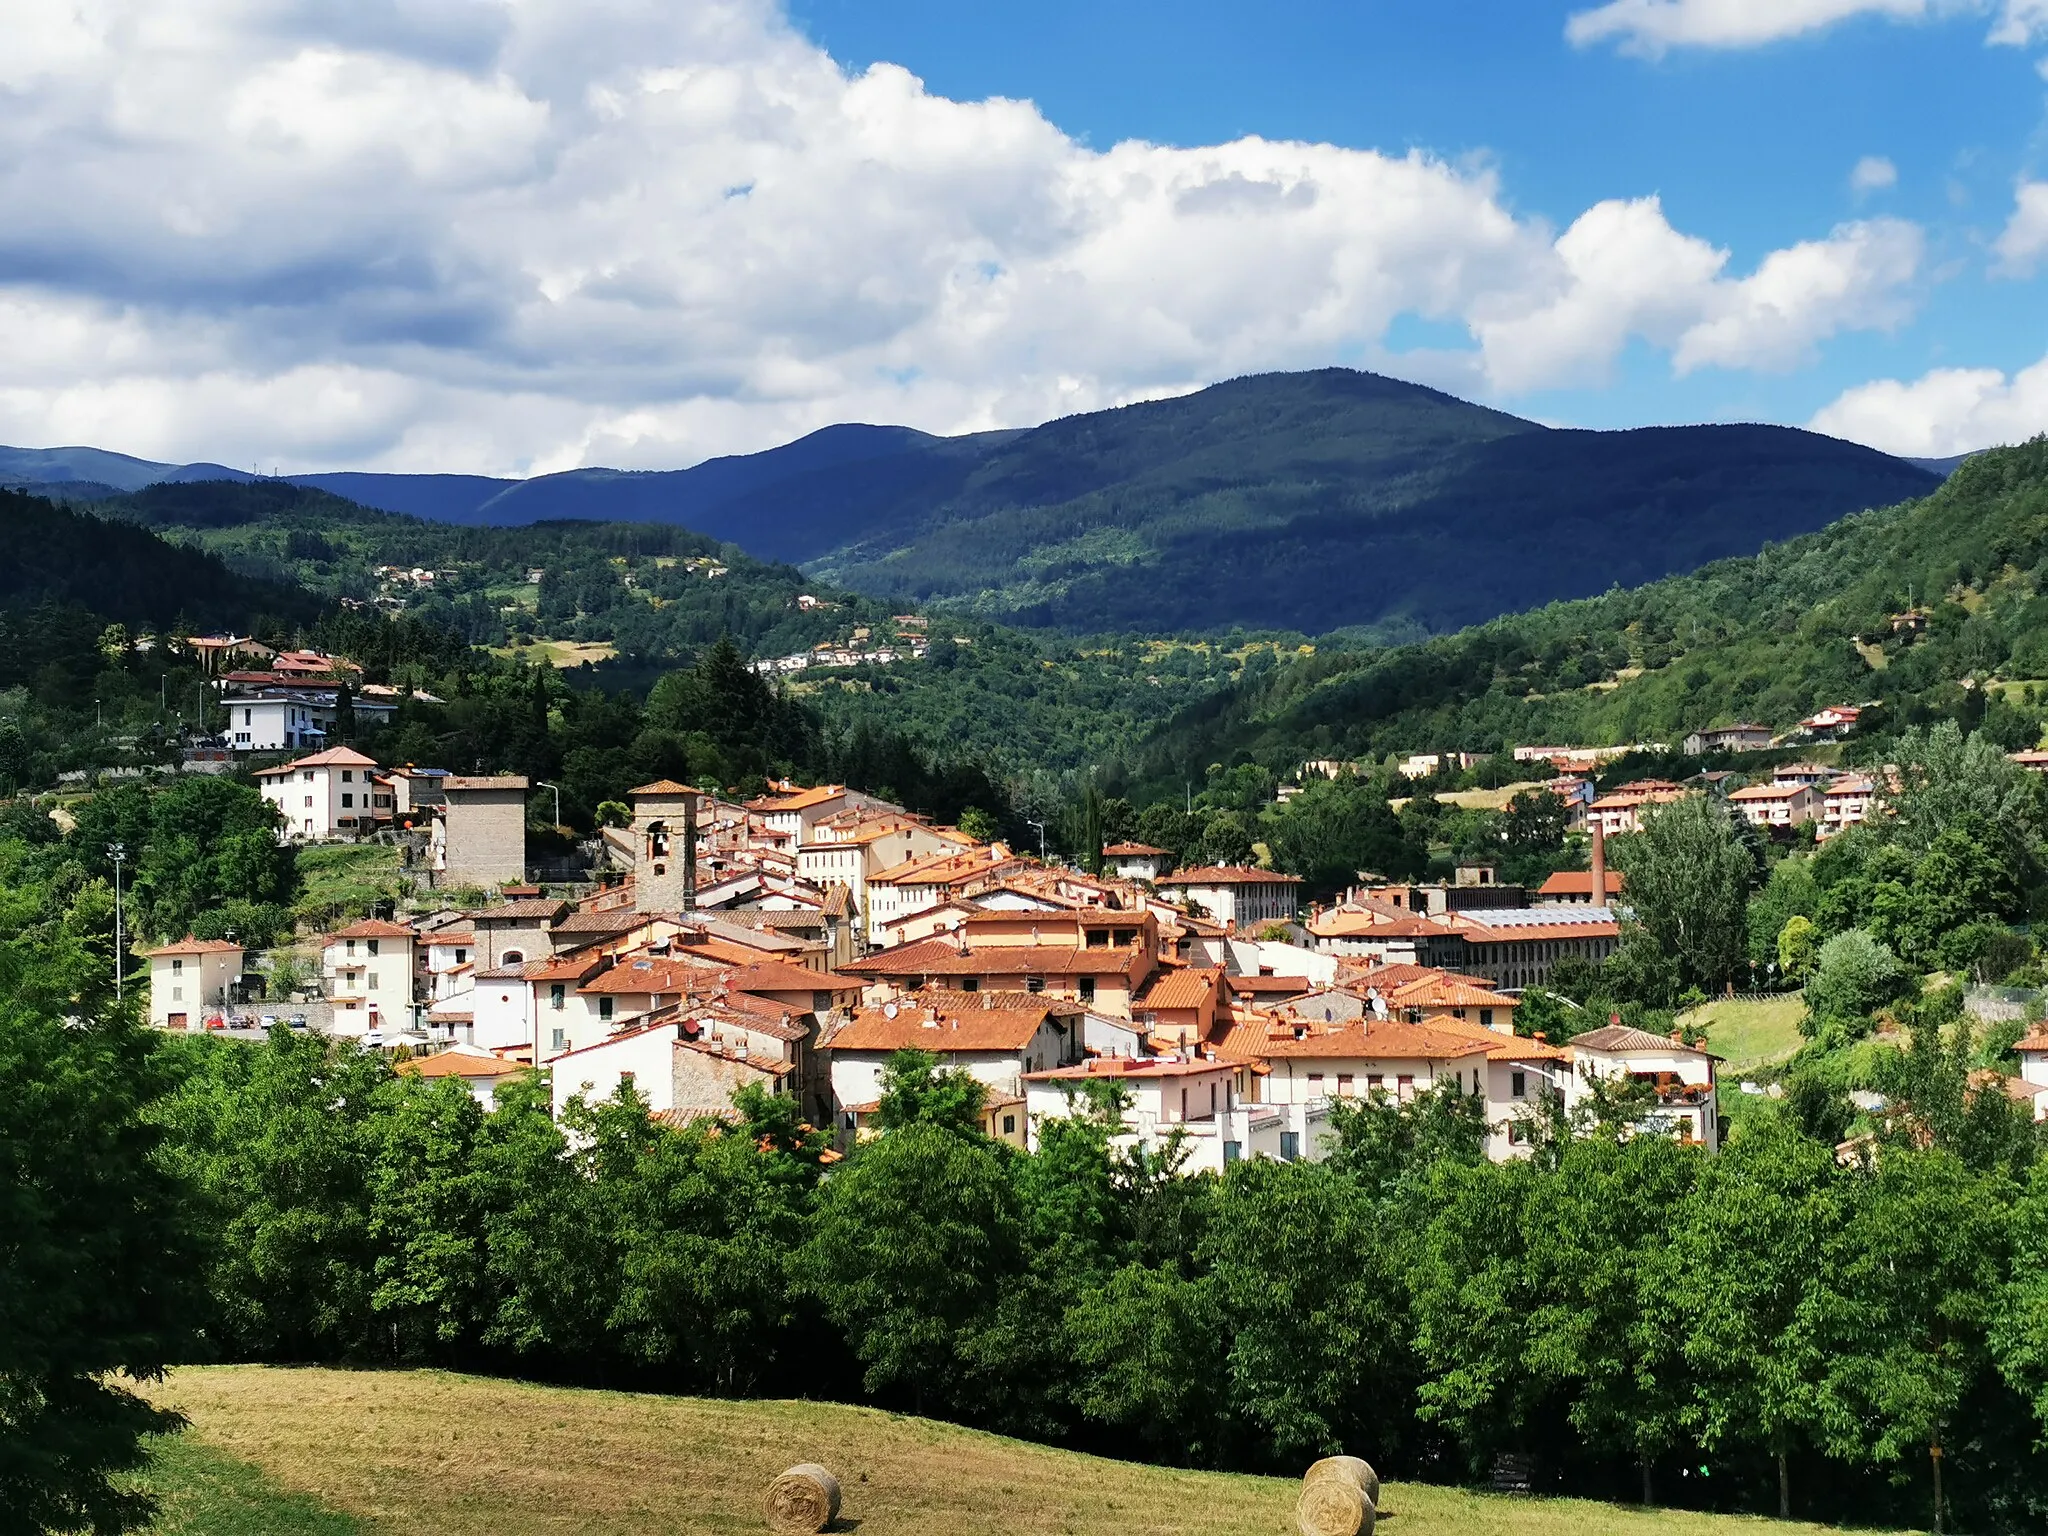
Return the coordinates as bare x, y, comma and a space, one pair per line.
332, 1453
1749, 1035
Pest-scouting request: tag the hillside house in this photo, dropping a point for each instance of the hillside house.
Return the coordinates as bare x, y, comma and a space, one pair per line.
686, 1067
1774, 806
997, 1037
367, 969
1742, 737
478, 836
1237, 896
2033, 1054
919, 884
1846, 803
323, 796
1159, 1095
1681, 1076
1622, 809
1137, 861
190, 980
480, 1071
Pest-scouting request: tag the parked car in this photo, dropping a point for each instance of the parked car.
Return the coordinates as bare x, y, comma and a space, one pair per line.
298, 1021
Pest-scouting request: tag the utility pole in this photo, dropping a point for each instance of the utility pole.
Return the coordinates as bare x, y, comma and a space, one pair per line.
118, 852
544, 784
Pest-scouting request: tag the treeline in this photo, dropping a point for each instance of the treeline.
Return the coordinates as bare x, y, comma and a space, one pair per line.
1768, 638
1760, 1330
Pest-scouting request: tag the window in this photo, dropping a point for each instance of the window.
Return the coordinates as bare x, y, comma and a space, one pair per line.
248, 717
561, 1040
1009, 1125
373, 981
177, 967
1315, 1084
970, 984
1290, 1146
351, 950
1486, 1018
604, 1008
1518, 1084
1405, 1086
177, 994
348, 775
462, 957
821, 1002
306, 778
348, 801
1344, 1088
1373, 1081
558, 994
1034, 984
1087, 989
371, 944
309, 802
514, 957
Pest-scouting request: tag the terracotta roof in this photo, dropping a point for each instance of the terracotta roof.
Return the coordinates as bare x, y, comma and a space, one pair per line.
1136, 851
192, 946
802, 800
778, 976
1578, 882
1190, 988
485, 781
451, 936
659, 974
1389, 979
1269, 986
1447, 992
1129, 1067
560, 968
373, 928
941, 957
1769, 792
1217, 874
620, 920
461, 1064
662, 787
1620, 1037
1009, 1026
545, 908
1479, 933
1381, 1040
333, 757
2031, 1044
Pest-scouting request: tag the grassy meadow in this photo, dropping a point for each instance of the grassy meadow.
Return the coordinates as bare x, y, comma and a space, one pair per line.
312, 1452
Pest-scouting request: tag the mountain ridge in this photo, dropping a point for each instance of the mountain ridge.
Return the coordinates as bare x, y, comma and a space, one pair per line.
1312, 501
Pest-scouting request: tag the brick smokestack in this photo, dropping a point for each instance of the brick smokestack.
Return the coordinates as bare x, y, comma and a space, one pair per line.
690, 852
1599, 865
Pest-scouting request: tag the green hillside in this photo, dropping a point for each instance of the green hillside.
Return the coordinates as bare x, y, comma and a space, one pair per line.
1803, 625
442, 1455
1323, 500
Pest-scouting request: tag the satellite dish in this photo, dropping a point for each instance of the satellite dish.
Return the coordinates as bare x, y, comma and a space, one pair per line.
888, 1010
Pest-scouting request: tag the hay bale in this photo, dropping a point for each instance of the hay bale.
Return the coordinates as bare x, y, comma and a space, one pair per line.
803, 1501
1339, 1497
1355, 1467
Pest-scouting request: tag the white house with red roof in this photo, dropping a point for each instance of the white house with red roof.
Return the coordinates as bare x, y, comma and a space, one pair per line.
324, 795
1137, 861
1236, 895
2033, 1054
1777, 805
1680, 1077
996, 1037
189, 980
368, 971
1204, 1103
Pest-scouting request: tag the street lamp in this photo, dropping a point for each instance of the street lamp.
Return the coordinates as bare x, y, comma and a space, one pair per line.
544, 784
1041, 836
118, 852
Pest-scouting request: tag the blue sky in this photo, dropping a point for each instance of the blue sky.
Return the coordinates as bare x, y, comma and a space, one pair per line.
513, 236
1752, 147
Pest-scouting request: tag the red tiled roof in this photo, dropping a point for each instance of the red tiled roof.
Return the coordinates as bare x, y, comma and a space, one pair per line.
939, 957
1129, 1067
778, 976
1479, 933
192, 946
661, 787
1136, 851
373, 928
1380, 1041
1578, 882
1190, 988
660, 974
1620, 1037
1217, 874
461, 1064
333, 757
1008, 1026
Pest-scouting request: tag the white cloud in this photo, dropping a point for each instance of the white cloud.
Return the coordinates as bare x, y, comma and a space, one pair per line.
523, 233
1873, 173
1653, 27
2025, 239
1947, 411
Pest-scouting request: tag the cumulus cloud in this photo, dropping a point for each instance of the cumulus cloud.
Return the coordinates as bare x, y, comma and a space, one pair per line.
527, 234
2024, 241
1873, 173
1653, 27
1947, 411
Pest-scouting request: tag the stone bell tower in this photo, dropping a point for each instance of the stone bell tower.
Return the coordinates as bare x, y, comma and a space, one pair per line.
665, 847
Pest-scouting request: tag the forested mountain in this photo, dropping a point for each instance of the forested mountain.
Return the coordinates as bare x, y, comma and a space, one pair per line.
1772, 637
1309, 501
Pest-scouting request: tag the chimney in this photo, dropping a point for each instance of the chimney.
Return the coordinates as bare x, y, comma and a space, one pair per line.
690, 852
1599, 865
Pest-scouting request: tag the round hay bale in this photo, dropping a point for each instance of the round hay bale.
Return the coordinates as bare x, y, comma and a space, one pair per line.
803, 1501
1353, 1467
1333, 1505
